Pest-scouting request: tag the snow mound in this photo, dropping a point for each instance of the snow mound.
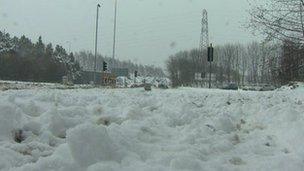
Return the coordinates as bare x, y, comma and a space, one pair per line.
225, 123
33, 127
185, 163
10, 119
107, 166
64, 119
10, 158
90, 144
31, 109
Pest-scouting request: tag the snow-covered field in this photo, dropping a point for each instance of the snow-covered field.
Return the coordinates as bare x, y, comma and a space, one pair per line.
161, 130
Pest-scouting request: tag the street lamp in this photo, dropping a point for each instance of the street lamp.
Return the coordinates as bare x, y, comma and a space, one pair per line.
96, 41
114, 36
70, 44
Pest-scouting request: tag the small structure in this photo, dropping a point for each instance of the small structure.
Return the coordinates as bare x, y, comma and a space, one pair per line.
101, 78
148, 87
108, 79
88, 77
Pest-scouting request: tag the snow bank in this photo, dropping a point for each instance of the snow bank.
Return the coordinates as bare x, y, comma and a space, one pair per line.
10, 158
10, 119
90, 144
168, 130
64, 119
32, 126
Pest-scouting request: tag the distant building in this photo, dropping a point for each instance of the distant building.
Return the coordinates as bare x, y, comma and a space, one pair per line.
88, 77
101, 78
202, 79
120, 72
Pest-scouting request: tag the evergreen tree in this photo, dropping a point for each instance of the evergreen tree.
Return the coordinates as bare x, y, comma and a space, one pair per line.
39, 48
20, 59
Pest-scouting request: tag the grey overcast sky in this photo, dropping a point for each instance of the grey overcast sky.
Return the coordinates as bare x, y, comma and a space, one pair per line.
148, 30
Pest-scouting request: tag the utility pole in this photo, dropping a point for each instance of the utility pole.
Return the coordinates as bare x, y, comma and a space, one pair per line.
114, 33
210, 70
204, 41
210, 60
96, 41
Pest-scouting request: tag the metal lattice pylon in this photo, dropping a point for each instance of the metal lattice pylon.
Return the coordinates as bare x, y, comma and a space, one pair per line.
204, 43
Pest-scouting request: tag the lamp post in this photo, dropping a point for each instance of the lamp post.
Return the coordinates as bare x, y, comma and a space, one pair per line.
96, 41
114, 36
70, 44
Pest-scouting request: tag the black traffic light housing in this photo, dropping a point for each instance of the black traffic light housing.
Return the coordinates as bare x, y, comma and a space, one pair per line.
135, 73
210, 53
105, 66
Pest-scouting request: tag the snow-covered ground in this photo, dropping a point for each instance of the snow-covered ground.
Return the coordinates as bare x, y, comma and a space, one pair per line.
121, 82
162, 130
19, 85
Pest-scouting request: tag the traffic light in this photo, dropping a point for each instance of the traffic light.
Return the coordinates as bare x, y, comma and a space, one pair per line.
210, 53
105, 66
135, 73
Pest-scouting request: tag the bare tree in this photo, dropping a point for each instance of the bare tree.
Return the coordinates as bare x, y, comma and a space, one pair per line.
278, 19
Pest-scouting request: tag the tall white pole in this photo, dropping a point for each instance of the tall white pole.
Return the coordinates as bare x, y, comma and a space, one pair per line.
114, 36
70, 44
96, 41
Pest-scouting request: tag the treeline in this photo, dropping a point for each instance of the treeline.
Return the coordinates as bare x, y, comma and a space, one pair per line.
252, 63
86, 60
292, 62
24, 60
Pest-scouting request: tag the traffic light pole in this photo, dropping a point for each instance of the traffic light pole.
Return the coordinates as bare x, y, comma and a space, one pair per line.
210, 60
135, 76
210, 71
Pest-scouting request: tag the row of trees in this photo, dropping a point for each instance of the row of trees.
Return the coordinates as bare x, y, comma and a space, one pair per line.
253, 63
22, 59
86, 60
